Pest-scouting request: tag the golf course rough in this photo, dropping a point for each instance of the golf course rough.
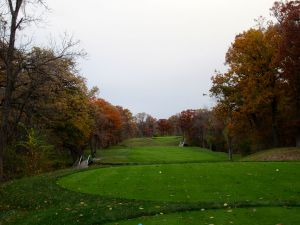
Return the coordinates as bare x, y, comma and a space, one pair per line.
243, 216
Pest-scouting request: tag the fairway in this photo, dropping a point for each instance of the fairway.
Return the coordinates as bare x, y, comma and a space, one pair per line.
205, 182
157, 150
160, 154
249, 216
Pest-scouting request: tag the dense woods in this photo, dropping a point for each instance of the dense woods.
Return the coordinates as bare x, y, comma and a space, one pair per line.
49, 117
258, 95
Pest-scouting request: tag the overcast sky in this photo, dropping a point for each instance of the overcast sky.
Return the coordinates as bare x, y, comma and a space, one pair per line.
154, 56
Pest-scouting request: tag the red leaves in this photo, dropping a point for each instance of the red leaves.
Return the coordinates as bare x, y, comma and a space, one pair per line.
164, 126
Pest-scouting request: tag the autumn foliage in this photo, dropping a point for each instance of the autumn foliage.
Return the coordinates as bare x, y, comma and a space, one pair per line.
258, 97
50, 117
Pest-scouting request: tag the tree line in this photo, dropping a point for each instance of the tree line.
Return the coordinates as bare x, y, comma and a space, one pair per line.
49, 117
258, 97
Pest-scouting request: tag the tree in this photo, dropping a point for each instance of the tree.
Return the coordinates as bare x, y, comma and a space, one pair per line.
150, 126
186, 122
164, 127
250, 93
288, 17
200, 126
128, 128
108, 124
146, 124
11, 71
252, 58
175, 126
14, 18
71, 122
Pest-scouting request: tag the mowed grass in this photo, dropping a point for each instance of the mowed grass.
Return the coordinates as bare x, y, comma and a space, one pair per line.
203, 182
159, 154
157, 150
40, 201
168, 193
242, 216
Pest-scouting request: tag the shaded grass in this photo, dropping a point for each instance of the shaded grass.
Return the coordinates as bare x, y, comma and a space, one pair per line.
249, 216
205, 182
39, 200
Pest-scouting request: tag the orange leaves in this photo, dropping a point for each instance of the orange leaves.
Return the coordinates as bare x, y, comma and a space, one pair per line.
111, 112
250, 92
108, 122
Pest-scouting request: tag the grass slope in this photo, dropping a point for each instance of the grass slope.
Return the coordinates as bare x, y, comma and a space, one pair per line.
154, 141
157, 150
206, 182
277, 154
159, 154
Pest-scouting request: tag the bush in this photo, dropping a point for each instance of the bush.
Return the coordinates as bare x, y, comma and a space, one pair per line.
244, 147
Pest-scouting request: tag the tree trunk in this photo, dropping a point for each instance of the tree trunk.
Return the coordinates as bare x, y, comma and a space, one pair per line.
76, 152
297, 98
5, 129
10, 80
275, 134
298, 122
93, 149
93, 145
229, 149
1, 161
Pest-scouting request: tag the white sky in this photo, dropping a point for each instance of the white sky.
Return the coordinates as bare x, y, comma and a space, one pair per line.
154, 56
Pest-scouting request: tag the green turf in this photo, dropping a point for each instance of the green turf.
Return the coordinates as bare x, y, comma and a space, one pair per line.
248, 216
155, 151
40, 201
159, 154
130, 191
206, 182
